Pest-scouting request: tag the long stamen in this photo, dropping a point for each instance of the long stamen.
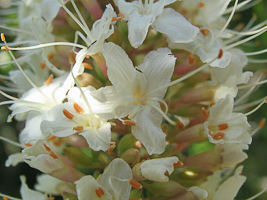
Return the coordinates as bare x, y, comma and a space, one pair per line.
255, 109
257, 195
257, 61
256, 52
253, 84
229, 10
243, 33
16, 29
11, 142
161, 101
248, 105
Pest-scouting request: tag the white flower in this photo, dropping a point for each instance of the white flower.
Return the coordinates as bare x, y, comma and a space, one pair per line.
155, 169
113, 184
224, 126
136, 95
165, 20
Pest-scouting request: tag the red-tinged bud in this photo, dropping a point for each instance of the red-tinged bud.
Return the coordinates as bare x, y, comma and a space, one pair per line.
49, 80
168, 189
192, 134
197, 95
68, 114
86, 79
111, 148
101, 62
131, 156
77, 108
135, 184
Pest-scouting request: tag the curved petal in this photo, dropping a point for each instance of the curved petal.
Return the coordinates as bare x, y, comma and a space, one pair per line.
175, 26
148, 131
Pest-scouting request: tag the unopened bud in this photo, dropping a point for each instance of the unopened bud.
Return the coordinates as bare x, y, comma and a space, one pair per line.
86, 79
137, 174
131, 156
168, 189
126, 143
136, 194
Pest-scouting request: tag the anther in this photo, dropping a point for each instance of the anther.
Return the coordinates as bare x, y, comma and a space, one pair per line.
111, 148
99, 192
71, 57
191, 60
212, 104
42, 65
218, 136
180, 125
220, 54
265, 99
223, 126
205, 32
264, 72
205, 113
178, 164
87, 65
78, 128
51, 137
262, 122
135, 184
57, 143
28, 145
5, 48
50, 56
121, 16
68, 114
46, 147
49, 80
129, 122
3, 38
53, 155
77, 108
5, 198
201, 4
114, 19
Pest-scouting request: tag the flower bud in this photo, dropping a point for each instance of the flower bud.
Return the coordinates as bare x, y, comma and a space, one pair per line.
136, 193
126, 143
86, 79
131, 156
192, 134
168, 189
197, 95
76, 156
137, 174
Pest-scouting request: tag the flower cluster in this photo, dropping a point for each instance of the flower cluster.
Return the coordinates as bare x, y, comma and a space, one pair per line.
113, 95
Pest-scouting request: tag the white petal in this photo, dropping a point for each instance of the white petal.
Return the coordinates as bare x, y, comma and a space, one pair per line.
117, 169
14, 159
27, 193
48, 184
148, 130
175, 26
138, 27
50, 9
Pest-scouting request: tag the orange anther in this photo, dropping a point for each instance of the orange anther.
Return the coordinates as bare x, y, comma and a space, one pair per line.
28, 145
264, 72
5, 198
99, 192
178, 164
28, 159
223, 126
77, 108
42, 65
57, 143
49, 80
212, 104
218, 136
201, 4
50, 56
111, 148
205, 32
180, 125
5, 48
46, 147
78, 128
262, 122
87, 66
121, 16
191, 60
3, 38
71, 57
53, 155
135, 184
220, 54
87, 56
205, 113
68, 114
265, 99
114, 19
51, 137
50, 198
166, 172
129, 122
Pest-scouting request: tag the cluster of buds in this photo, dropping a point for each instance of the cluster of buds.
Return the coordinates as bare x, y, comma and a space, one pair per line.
110, 111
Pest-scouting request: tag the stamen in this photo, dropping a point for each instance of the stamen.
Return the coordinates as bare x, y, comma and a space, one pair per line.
178, 164
201, 4
135, 184
71, 57
3, 37
115, 19
87, 65
223, 126
255, 109
205, 31
262, 123
218, 136
77, 108
220, 54
57, 143
78, 128
99, 192
8, 197
49, 80
50, 56
28, 145
180, 125
129, 122
46, 147
111, 148
5, 198
191, 60
53, 155
205, 113
68, 114
5, 48
11, 142
121, 16
42, 65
